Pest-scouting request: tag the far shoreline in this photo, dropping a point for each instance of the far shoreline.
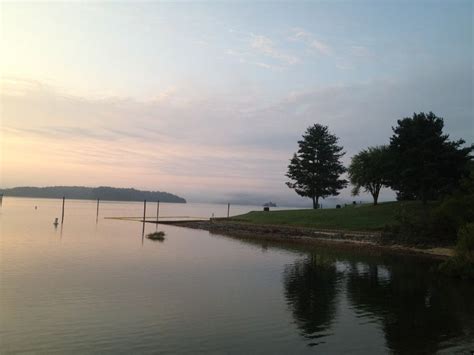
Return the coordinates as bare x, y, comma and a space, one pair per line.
88, 199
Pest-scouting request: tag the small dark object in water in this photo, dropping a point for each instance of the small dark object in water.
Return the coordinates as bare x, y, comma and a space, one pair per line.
159, 236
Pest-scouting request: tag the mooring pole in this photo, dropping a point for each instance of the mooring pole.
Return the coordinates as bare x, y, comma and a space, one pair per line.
228, 210
62, 213
144, 217
157, 211
97, 215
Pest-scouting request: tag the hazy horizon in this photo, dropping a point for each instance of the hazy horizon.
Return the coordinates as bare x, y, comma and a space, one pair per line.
208, 100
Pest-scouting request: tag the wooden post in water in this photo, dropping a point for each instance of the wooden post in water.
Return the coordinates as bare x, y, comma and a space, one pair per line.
157, 211
228, 210
97, 215
144, 217
62, 213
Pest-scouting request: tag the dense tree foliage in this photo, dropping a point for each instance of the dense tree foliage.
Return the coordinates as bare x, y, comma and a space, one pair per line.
456, 209
369, 170
426, 164
315, 169
462, 263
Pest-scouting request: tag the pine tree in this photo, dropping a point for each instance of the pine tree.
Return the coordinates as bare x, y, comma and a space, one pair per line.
315, 169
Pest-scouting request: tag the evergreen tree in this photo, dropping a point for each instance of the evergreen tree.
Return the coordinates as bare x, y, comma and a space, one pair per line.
315, 169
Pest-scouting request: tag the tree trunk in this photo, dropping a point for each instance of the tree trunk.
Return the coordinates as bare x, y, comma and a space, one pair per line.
375, 195
376, 199
315, 202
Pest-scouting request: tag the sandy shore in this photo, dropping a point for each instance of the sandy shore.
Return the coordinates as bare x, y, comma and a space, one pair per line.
336, 238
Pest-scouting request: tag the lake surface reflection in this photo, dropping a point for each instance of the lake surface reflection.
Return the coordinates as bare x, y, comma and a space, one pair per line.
99, 287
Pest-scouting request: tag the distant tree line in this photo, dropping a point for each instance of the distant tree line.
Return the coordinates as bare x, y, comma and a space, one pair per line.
92, 193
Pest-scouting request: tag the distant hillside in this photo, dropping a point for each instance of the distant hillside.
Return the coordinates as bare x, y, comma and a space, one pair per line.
92, 193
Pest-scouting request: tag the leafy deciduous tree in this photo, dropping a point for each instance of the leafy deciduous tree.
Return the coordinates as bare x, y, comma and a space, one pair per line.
369, 170
426, 163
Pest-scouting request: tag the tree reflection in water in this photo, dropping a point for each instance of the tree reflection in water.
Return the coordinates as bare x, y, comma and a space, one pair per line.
418, 312
311, 288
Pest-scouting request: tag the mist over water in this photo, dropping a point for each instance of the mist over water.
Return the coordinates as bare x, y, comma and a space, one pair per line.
101, 287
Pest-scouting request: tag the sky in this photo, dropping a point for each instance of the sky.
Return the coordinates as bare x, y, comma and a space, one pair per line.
208, 99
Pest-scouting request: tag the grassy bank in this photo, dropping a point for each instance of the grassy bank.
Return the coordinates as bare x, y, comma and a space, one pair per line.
357, 218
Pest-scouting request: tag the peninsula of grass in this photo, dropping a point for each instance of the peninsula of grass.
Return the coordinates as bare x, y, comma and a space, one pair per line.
364, 217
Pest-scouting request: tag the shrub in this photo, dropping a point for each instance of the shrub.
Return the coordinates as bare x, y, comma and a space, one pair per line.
454, 212
414, 226
462, 263
465, 244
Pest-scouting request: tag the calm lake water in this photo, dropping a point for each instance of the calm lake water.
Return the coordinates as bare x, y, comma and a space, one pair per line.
101, 288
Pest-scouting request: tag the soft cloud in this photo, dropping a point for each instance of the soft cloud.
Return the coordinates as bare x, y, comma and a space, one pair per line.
250, 58
299, 34
128, 142
160, 98
261, 51
266, 46
206, 147
321, 47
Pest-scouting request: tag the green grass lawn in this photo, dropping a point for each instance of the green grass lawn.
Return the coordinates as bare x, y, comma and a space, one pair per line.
361, 217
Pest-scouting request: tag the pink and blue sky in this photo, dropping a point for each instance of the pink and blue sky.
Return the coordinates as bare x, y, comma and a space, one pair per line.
208, 99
